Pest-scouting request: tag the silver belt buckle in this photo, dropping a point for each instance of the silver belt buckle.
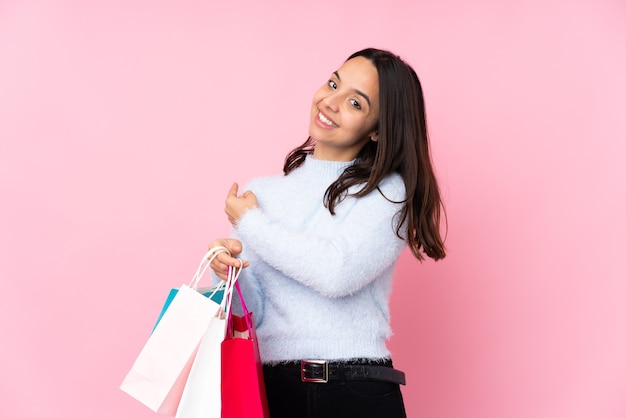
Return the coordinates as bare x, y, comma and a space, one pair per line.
323, 379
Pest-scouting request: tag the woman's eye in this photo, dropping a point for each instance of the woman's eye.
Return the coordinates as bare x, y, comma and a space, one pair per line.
332, 84
355, 104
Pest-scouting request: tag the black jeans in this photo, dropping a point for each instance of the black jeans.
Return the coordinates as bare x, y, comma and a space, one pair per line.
289, 397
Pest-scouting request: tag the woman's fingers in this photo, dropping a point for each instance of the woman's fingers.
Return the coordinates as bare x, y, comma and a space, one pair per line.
232, 245
223, 261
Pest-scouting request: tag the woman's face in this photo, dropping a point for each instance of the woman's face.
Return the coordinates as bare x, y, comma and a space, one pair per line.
344, 113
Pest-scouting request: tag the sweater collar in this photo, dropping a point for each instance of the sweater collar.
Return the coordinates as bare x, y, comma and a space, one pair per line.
325, 169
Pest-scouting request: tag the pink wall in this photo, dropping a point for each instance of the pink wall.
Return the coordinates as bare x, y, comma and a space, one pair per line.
123, 123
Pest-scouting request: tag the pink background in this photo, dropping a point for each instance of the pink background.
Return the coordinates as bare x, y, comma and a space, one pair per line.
122, 124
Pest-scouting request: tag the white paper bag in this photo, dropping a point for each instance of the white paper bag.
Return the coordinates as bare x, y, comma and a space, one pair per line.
201, 397
159, 374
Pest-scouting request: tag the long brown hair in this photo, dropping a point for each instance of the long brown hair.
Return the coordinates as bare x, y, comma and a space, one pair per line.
402, 147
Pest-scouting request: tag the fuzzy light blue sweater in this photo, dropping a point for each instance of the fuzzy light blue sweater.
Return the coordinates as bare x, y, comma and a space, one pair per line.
319, 285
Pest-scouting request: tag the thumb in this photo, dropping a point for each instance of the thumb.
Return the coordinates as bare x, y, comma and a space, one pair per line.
233, 190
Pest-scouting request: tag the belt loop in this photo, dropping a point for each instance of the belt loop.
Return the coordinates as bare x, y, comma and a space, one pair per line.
304, 370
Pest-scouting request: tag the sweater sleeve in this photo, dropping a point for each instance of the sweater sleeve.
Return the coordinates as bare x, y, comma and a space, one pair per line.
361, 245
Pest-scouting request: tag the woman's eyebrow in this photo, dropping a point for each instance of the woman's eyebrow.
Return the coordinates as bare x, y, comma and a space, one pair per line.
357, 91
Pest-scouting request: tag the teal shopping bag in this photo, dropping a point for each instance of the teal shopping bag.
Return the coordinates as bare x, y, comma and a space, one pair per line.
214, 293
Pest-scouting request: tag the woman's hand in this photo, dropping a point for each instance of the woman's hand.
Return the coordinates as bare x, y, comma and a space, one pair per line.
221, 263
236, 206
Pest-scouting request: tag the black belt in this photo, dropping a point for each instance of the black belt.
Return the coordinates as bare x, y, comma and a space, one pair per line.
322, 371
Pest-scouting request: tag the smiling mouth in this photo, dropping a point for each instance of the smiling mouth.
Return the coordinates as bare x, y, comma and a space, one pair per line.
326, 121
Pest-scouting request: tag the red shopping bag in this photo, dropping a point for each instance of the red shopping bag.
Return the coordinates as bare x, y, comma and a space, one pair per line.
243, 387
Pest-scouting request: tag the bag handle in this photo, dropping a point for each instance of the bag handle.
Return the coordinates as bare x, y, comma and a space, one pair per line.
206, 263
243, 304
225, 285
243, 307
229, 284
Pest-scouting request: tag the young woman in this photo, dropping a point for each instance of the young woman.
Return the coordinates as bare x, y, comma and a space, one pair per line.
321, 242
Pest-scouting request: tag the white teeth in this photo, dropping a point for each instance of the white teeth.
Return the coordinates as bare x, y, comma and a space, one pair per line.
326, 120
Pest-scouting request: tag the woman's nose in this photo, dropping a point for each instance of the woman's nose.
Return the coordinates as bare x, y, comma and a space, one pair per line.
331, 102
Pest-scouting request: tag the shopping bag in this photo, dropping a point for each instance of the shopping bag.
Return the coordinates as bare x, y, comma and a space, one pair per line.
215, 293
201, 396
159, 373
243, 387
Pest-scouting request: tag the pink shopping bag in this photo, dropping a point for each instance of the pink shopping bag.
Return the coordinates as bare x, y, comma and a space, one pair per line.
243, 386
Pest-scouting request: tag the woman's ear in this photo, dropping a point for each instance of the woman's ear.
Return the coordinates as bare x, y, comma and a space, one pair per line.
374, 136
